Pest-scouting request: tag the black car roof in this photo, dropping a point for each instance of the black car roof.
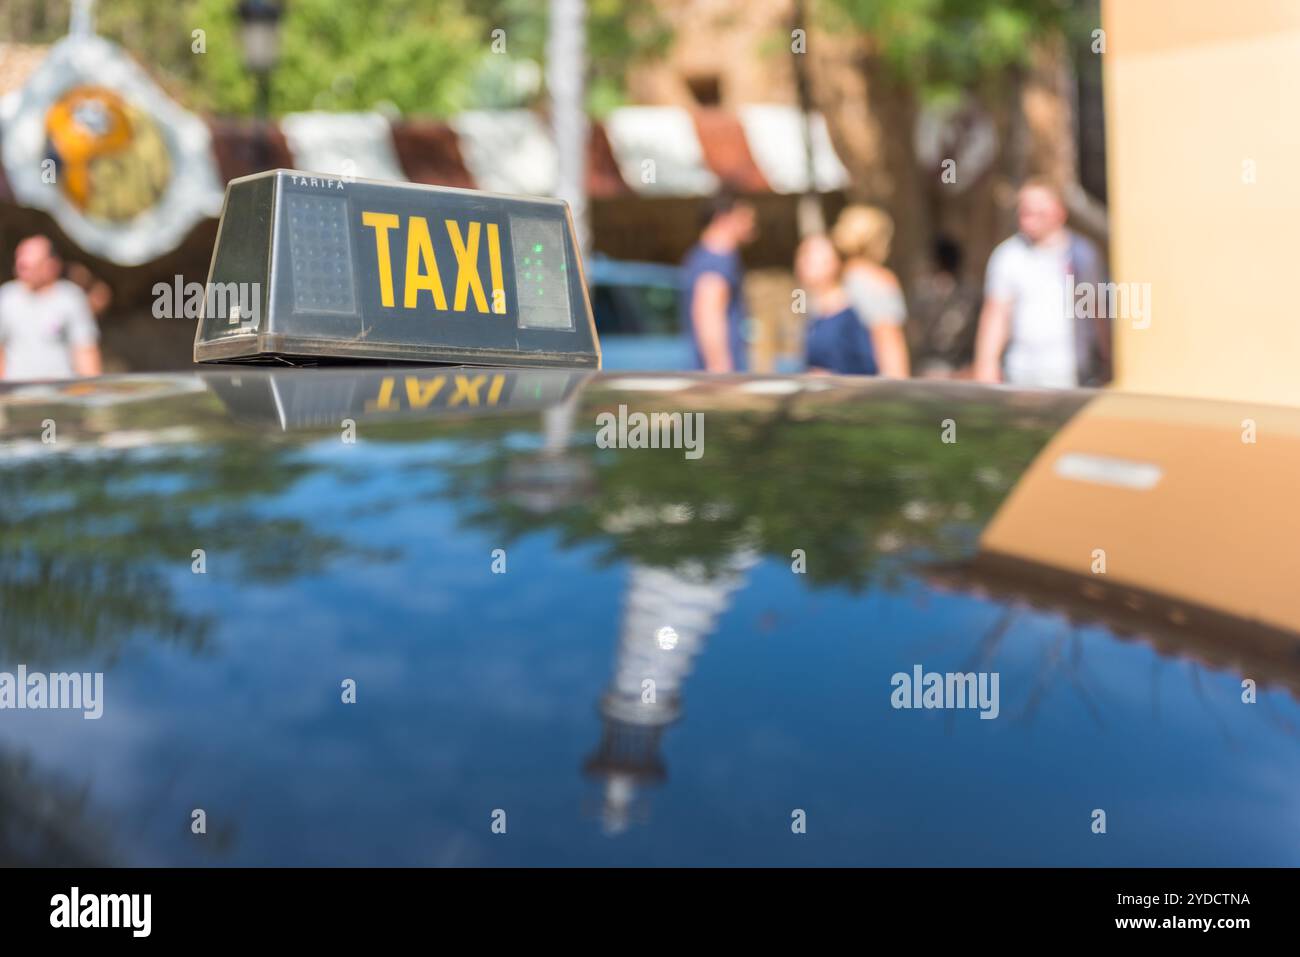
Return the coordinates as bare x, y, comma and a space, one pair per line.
496, 584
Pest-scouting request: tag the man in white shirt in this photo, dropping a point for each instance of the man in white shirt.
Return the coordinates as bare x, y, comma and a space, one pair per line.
47, 329
1024, 297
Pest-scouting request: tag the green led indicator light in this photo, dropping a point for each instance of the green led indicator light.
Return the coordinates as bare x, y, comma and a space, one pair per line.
527, 260
537, 247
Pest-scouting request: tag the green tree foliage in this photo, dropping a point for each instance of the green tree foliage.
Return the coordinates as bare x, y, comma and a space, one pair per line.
416, 57
412, 55
618, 33
945, 46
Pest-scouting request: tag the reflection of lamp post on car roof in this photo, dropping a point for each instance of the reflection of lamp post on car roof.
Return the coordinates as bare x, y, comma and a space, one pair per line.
259, 34
645, 694
549, 478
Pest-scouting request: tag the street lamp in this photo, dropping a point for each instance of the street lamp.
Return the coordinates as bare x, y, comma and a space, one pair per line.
259, 32
566, 58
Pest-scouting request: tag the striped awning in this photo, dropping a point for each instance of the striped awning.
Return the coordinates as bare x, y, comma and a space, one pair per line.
651, 151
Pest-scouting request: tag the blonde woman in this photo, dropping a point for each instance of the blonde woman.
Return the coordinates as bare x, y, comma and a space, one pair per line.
835, 339
862, 235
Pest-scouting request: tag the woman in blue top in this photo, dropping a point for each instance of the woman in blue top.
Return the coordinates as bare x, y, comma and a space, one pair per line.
835, 340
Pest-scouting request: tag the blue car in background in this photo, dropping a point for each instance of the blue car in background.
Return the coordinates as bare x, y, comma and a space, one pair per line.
635, 305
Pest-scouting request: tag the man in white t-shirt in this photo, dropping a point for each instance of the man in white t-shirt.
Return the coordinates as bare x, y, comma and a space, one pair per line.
1024, 297
47, 329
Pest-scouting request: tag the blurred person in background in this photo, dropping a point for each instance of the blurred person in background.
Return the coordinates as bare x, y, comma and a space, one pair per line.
863, 235
1024, 295
47, 327
942, 331
836, 339
713, 305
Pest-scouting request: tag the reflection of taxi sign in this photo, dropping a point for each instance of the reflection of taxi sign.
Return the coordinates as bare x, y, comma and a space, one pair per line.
310, 269
321, 398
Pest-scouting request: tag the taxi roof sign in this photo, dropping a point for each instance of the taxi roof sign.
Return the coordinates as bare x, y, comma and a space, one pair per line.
310, 269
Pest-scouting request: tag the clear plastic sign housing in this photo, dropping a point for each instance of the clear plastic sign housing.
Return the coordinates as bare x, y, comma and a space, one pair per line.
312, 269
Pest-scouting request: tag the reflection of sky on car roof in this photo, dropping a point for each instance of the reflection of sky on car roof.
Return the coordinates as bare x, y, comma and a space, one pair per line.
479, 691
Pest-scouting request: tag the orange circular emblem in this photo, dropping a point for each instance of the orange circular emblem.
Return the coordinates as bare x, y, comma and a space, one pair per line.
112, 161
